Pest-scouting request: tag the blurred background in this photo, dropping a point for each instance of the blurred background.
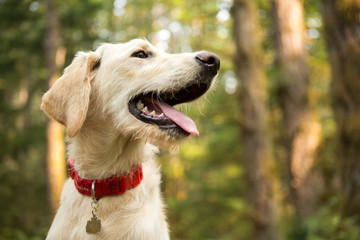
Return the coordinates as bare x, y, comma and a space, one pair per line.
278, 155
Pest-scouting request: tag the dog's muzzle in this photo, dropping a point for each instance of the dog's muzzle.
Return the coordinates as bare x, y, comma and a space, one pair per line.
157, 108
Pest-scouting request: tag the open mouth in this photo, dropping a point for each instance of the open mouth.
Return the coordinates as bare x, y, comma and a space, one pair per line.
157, 108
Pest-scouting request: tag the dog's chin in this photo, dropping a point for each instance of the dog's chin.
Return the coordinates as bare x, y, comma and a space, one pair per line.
165, 139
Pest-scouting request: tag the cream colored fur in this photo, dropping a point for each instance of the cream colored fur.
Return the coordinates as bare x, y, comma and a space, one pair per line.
91, 100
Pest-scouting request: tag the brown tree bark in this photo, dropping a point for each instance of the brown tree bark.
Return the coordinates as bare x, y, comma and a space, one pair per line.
252, 100
342, 32
301, 128
55, 134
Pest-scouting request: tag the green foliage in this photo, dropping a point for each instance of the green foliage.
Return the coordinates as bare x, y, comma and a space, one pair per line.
211, 177
23, 202
328, 224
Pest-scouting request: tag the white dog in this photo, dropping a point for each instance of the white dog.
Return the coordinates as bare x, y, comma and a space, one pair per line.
116, 104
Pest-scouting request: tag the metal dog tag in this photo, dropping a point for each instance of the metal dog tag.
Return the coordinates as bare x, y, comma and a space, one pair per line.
93, 225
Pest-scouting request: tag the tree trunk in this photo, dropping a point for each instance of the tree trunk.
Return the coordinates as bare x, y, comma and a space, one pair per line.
252, 100
342, 31
301, 127
55, 134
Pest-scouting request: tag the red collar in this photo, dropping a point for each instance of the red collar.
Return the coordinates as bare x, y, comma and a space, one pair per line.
114, 185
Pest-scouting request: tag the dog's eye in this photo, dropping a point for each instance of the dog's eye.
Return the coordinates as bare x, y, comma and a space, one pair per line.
140, 54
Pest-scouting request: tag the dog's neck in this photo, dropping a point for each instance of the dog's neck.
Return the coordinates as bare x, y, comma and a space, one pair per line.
101, 152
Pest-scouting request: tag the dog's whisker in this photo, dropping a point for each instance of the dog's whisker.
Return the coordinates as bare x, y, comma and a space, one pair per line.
200, 109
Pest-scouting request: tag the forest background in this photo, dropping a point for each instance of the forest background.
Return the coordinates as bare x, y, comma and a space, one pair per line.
278, 155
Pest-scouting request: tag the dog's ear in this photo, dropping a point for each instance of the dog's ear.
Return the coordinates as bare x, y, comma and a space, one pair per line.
67, 101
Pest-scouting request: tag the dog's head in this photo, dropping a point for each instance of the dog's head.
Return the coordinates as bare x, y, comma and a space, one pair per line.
135, 85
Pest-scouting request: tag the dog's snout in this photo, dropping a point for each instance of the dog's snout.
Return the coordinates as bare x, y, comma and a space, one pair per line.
209, 59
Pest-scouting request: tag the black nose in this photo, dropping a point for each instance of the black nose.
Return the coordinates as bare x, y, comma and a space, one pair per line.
208, 59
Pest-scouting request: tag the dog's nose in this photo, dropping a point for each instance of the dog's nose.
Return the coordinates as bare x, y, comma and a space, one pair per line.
208, 59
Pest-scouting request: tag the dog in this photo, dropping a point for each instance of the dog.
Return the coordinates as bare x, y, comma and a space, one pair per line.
117, 105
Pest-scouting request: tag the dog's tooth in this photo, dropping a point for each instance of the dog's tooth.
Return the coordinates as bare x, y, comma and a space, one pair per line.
161, 115
139, 105
153, 113
145, 109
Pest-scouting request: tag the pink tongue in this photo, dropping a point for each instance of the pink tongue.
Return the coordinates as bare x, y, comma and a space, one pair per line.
179, 118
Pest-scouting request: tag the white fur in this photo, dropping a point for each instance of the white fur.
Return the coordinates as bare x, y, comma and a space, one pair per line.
105, 139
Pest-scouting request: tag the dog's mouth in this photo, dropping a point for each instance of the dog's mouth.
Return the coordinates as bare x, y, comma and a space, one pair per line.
157, 108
